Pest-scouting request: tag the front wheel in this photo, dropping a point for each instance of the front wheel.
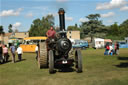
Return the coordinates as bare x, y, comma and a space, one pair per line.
78, 60
51, 62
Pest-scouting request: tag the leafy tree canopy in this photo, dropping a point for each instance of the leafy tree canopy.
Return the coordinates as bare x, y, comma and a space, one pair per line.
10, 28
1, 30
40, 26
124, 28
92, 27
73, 27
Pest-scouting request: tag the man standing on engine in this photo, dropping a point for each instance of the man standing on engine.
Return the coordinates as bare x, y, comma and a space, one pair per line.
51, 32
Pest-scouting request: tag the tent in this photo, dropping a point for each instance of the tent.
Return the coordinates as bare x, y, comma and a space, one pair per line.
107, 41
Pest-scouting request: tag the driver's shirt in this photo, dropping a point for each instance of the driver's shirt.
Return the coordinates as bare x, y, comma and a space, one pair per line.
51, 33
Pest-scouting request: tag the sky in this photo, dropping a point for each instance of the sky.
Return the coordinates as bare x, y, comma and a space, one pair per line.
21, 13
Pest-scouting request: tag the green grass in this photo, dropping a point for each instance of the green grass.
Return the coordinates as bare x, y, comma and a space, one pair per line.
97, 70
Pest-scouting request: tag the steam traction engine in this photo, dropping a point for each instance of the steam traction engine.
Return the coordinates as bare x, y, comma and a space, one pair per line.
57, 52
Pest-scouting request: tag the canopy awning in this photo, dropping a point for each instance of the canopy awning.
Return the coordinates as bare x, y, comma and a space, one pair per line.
107, 40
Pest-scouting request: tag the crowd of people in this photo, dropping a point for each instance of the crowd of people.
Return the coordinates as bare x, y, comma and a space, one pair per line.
111, 49
4, 53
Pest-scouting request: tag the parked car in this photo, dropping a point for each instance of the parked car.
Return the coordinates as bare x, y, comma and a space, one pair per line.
123, 45
80, 44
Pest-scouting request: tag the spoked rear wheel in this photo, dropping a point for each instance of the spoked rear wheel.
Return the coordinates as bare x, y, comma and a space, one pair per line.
51, 62
78, 60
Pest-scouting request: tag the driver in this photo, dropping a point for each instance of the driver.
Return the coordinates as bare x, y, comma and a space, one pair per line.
51, 33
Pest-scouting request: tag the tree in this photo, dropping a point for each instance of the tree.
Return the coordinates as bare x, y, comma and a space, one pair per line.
124, 29
76, 26
114, 29
40, 27
93, 17
1, 30
125, 23
10, 28
73, 27
113, 32
92, 27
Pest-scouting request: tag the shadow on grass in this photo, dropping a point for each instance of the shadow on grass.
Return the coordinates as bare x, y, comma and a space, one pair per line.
5, 62
21, 60
66, 70
122, 65
122, 58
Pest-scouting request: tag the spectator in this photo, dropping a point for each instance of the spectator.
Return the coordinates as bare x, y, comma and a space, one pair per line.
36, 50
20, 52
12, 48
111, 49
107, 49
5, 52
116, 48
1, 53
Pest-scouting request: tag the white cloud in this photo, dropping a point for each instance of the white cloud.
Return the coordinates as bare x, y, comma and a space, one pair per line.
11, 12
68, 18
83, 19
125, 8
61, 0
112, 4
29, 15
109, 14
16, 25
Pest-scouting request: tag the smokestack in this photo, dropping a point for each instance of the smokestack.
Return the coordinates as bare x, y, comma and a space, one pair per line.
61, 19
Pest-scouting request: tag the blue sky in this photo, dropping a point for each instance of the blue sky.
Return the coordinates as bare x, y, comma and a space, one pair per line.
21, 13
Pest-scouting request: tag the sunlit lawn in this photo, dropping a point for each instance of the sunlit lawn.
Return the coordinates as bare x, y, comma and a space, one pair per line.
97, 70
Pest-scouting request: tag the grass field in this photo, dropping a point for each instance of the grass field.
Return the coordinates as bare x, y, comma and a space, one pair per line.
97, 70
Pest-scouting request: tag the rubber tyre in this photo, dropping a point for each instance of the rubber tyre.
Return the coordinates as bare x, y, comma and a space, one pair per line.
51, 62
42, 55
78, 59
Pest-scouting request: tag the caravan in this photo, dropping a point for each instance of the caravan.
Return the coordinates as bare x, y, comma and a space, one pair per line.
98, 43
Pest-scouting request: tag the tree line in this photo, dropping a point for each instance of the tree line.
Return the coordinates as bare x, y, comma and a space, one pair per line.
94, 27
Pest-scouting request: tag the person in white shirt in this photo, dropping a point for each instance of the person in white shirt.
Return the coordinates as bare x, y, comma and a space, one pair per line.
111, 49
20, 52
36, 50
